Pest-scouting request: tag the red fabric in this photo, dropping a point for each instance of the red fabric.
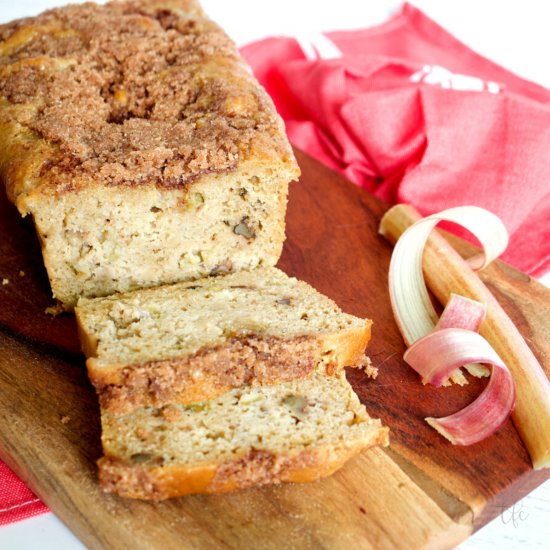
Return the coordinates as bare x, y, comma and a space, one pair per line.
17, 502
419, 142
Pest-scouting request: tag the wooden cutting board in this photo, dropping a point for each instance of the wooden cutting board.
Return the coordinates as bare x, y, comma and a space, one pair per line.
421, 492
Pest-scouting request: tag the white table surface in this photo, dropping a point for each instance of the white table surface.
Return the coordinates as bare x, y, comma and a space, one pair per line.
513, 33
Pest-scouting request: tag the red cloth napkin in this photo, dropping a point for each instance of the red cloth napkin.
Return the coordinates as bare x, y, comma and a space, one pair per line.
413, 115
16, 500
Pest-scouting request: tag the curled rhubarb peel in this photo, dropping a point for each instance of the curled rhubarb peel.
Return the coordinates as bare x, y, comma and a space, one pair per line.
446, 272
462, 312
439, 348
437, 355
410, 301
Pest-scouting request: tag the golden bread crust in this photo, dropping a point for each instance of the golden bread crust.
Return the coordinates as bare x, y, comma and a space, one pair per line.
255, 468
345, 348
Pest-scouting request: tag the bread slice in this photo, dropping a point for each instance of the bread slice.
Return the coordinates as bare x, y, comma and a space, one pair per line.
138, 140
189, 342
297, 431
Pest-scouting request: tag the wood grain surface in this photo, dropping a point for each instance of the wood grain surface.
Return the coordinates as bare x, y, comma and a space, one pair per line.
421, 492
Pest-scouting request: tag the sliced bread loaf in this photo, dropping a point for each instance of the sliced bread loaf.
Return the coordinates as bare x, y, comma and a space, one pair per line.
192, 341
297, 431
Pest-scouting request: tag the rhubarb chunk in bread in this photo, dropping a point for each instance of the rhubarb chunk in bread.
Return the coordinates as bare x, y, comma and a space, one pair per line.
192, 341
143, 148
297, 431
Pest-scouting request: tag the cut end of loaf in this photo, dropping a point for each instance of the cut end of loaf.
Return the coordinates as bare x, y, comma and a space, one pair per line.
294, 432
104, 240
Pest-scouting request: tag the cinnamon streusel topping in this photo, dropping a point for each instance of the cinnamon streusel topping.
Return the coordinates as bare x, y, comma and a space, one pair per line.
133, 93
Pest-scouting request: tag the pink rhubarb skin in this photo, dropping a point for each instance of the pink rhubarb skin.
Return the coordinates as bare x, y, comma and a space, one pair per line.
484, 416
462, 312
436, 356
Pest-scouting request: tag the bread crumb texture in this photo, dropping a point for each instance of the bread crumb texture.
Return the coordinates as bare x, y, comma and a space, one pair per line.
296, 431
132, 93
281, 418
175, 320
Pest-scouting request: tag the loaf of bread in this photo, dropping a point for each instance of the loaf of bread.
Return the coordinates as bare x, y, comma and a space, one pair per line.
145, 151
189, 342
297, 431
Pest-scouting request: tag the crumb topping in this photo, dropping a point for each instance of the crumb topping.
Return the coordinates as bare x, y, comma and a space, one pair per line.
256, 468
133, 93
253, 361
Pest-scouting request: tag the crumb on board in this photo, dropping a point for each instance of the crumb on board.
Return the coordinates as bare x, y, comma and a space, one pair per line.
368, 368
5, 281
65, 419
54, 310
21, 273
